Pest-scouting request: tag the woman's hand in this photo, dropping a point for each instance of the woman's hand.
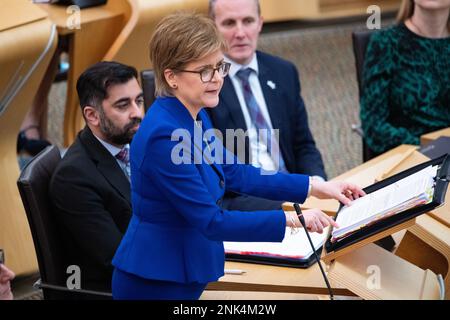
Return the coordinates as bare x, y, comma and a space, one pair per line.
315, 220
344, 192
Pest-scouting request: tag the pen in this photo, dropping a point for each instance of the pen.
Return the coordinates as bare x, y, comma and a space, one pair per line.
234, 271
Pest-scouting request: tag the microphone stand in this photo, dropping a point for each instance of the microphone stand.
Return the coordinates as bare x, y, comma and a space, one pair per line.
302, 221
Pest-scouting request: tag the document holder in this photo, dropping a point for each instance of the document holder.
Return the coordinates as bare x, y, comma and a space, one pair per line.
396, 222
356, 263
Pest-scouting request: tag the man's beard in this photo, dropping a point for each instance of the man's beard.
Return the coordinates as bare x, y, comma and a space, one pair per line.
116, 135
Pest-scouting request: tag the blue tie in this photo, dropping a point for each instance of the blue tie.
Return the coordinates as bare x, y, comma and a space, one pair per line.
124, 157
258, 119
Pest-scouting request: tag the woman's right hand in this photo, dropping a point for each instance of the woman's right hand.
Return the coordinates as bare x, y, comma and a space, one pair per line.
315, 220
344, 192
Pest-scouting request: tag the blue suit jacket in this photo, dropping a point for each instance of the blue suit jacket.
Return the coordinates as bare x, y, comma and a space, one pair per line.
177, 227
287, 113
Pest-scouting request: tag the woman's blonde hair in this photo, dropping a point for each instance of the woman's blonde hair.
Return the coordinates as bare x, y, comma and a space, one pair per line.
407, 10
181, 38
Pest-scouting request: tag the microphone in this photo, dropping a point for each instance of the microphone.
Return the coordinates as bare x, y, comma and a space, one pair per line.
302, 221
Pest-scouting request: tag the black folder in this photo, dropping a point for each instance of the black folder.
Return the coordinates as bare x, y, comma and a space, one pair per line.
274, 260
441, 183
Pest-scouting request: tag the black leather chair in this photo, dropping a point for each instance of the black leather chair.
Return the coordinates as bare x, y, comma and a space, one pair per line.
33, 184
360, 42
148, 87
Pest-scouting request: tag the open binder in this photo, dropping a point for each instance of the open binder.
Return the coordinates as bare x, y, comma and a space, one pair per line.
398, 220
294, 251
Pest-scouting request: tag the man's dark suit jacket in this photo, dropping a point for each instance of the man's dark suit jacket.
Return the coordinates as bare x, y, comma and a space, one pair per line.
281, 88
91, 198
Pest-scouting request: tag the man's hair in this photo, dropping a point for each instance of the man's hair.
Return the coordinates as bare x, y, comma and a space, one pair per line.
93, 84
181, 38
212, 4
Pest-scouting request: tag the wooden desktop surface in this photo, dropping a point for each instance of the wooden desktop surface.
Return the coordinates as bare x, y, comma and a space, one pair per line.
59, 15
426, 138
266, 278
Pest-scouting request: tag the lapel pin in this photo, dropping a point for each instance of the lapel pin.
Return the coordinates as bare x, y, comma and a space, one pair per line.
271, 84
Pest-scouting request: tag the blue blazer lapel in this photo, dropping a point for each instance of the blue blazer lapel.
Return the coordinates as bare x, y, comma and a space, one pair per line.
230, 100
207, 125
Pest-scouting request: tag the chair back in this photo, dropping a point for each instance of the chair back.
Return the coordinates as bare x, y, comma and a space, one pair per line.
33, 184
360, 41
148, 86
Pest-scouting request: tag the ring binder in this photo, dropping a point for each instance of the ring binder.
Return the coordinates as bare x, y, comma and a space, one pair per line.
380, 228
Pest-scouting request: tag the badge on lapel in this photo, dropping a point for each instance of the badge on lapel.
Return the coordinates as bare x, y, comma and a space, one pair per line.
271, 84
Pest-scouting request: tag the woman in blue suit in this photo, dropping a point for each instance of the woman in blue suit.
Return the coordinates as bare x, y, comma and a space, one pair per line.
174, 243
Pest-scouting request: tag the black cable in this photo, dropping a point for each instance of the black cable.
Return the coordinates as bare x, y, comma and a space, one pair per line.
302, 221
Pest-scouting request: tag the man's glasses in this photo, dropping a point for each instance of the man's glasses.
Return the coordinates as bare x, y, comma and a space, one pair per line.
2, 256
207, 74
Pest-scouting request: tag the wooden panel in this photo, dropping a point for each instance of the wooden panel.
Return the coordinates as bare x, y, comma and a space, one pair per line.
428, 259
15, 13
131, 47
394, 277
84, 52
264, 278
427, 138
273, 10
436, 256
58, 14
22, 47
248, 295
328, 257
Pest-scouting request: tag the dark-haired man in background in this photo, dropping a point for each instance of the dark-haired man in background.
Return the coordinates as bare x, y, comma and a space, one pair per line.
90, 187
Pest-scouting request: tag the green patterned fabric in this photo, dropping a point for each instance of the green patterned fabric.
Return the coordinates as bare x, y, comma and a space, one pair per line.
406, 88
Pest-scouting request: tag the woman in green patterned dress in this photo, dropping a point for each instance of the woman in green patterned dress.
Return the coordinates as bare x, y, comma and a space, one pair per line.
406, 82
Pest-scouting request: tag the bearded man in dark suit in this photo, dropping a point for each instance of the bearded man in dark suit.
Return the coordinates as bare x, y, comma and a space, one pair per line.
90, 188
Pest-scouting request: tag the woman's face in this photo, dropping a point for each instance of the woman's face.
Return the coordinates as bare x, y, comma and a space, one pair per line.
433, 4
191, 90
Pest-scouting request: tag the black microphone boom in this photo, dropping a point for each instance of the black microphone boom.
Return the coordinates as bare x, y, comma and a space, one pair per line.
302, 221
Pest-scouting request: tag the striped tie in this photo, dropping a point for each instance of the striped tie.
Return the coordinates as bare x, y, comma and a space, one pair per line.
124, 157
258, 119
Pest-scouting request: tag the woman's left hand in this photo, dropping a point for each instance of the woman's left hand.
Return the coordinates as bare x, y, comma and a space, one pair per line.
344, 192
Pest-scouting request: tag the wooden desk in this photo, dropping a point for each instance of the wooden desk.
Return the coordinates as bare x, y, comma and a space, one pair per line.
99, 27
292, 280
427, 138
265, 278
427, 243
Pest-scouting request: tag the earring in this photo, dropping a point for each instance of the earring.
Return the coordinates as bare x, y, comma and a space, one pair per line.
174, 86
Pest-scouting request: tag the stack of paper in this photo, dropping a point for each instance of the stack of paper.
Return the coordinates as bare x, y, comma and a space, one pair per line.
294, 246
414, 190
